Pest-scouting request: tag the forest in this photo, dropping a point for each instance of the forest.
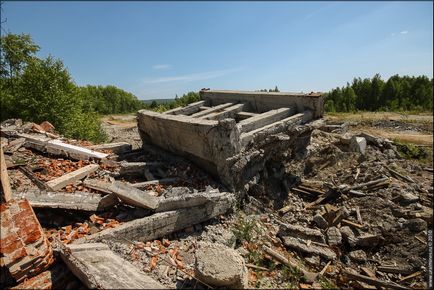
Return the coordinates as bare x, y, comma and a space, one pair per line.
398, 93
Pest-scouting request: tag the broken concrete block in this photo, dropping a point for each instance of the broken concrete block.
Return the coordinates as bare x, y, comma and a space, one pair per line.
304, 246
134, 196
358, 256
301, 232
72, 177
187, 200
406, 198
368, 240
161, 224
416, 225
220, 266
117, 148
334, 237
136, 168
320, 221
347, 233
99, 268
24, 248
358, 144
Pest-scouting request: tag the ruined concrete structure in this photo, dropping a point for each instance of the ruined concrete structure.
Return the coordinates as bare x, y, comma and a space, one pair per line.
224, 124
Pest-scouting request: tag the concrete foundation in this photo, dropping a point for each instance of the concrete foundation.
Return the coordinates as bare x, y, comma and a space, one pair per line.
225, 124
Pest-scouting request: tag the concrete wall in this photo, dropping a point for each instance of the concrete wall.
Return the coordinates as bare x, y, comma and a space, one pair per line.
264, 101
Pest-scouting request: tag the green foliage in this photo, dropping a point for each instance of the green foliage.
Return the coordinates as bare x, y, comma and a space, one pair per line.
109, 100
326, 283
244, 230
411, 151
396, 94
292, 276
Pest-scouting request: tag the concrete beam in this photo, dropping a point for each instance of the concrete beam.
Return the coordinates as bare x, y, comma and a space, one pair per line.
117, 148
229, 112
76, 200
128, 194
136, 168
99, 268
245, 115
187, 110
145, 184
211, 110
57, 147
272, 128
162, 224
188, 200
72, 177
264, 119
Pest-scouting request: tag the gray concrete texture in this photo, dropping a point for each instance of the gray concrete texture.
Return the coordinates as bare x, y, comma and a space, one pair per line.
226, 123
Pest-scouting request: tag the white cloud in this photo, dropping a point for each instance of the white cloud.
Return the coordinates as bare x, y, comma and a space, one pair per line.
404, 32
161, 66
192, 77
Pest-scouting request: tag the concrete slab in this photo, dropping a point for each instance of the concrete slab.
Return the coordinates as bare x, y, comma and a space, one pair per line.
100, 268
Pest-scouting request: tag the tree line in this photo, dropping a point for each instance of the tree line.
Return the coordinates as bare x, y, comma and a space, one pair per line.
398, 93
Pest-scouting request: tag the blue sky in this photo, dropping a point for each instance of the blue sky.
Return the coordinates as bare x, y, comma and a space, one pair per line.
159, 49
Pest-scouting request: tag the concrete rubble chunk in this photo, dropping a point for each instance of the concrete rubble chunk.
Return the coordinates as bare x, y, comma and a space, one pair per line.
24, 248
161, 224
347, 234
220, 266
309, 248
358, 256
72, 177
187, 200
358, 144
98, 267
136, 168
320, 221
334, 237
301, 232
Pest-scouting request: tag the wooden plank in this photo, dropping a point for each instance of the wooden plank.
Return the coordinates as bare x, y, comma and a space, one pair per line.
264, 119
226, 113
76, 200
28, 172
71, 177
395, 269
211, 110
310, 276
370, 183
6, 186
187, 110
99, 268
351, 224
373, 281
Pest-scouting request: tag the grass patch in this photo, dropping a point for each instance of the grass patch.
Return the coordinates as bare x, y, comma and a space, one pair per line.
411, 151
326, 283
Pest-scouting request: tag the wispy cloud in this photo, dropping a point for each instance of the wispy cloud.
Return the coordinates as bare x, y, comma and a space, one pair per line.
192, 77
162, 66
404, 32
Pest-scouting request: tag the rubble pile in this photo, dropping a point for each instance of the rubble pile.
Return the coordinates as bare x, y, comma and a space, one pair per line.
330, 208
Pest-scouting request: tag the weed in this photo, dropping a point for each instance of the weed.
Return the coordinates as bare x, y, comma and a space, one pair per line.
326, 283
410, 151
244, 230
